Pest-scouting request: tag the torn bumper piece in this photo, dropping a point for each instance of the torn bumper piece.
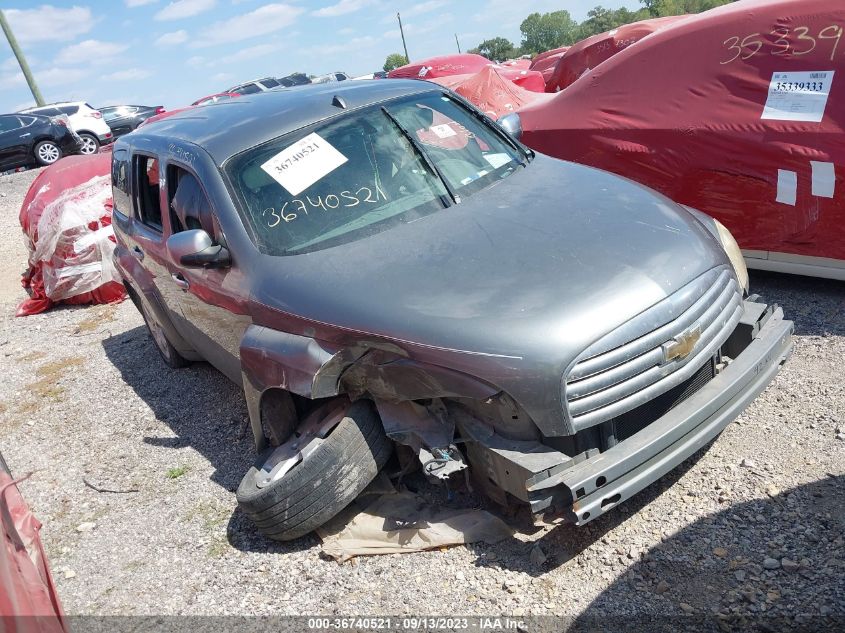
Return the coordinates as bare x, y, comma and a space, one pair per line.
593, 486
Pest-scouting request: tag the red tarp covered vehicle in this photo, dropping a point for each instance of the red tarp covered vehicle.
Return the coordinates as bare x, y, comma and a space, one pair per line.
738, 112
491, 92
29, 602
466, 64
590, 52
545, 63
66, 218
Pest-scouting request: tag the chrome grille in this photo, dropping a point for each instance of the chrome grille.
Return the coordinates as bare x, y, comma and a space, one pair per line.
627, 367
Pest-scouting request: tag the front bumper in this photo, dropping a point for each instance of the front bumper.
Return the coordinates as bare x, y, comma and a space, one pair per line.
593, 486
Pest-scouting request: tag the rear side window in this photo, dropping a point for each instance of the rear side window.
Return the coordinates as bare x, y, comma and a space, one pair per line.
147, 188
270, 83
9, 123
69, 110
248, 89
47, 111
120, 182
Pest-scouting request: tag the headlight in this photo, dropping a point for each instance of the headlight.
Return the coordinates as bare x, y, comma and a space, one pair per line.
721, 233
734, 254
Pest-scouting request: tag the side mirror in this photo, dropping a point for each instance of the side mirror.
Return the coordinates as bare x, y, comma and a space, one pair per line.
511, 124
195, 249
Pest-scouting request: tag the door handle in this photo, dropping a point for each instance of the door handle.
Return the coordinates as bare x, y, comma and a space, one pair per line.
137, 253
180, 281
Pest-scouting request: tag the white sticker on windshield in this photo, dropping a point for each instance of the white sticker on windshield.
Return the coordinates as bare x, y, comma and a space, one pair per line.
798, 96
497, 160
444, 130
304, 163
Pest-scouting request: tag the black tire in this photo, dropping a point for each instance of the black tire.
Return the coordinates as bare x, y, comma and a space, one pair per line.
322, 485
90, 143
168, 353
47, 153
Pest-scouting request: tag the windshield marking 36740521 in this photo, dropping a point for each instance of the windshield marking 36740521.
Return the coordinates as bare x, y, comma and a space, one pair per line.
364, 171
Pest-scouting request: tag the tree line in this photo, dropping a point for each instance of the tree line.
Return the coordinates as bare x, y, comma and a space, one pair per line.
543, 32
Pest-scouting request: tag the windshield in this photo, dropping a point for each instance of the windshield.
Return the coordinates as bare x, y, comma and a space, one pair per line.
365, 171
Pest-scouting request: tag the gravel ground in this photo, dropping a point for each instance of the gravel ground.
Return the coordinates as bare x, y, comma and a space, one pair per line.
753, 525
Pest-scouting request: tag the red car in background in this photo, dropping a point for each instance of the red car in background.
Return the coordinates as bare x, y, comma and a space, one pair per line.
220, 96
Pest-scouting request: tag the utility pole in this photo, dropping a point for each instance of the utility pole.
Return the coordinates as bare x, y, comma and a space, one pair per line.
405, 46
36, 93
458, 43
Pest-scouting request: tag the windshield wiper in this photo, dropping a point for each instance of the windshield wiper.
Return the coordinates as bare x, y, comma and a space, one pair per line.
419, 150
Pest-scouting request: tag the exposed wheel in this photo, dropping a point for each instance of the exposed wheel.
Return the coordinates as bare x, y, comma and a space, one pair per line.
331, 457
47, 153
173, 358
90, 143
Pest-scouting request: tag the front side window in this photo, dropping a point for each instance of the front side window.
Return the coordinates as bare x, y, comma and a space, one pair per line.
366, 171
147, 191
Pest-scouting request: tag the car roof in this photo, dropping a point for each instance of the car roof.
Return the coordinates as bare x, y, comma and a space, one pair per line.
251, 81
56, 104
227, 128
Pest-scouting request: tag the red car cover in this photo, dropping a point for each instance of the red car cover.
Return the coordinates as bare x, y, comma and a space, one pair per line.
66, 218
29, 602
545, 63
738, 112
589, 53
520, 64
466, 64
489, 91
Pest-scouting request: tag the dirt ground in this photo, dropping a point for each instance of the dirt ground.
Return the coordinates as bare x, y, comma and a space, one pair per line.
752, 526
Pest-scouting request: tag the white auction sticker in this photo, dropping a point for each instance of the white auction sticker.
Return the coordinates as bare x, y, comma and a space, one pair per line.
798, 96
304, 163
444, 130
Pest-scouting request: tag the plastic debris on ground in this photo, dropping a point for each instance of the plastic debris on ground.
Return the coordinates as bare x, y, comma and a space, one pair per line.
745, 127
467, 64
489, 91
66, 220
383, 521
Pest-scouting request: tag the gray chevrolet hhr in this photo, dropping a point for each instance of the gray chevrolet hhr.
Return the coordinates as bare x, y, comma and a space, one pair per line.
378, 265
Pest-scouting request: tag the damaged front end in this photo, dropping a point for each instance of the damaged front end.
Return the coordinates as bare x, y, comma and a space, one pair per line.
637, 402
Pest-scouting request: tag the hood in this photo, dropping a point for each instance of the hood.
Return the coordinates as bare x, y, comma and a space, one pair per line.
541, 264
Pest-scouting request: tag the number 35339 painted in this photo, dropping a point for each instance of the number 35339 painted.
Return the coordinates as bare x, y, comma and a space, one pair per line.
785, 42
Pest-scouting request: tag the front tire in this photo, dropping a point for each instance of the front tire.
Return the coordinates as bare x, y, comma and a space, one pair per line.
324, 481
47, 153
90, 143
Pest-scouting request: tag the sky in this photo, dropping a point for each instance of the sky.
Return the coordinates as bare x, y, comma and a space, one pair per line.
172, 52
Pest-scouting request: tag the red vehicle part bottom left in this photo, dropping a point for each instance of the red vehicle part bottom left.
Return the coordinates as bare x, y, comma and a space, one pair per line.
29, 602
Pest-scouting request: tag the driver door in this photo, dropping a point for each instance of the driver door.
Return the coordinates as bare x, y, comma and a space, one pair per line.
210, 304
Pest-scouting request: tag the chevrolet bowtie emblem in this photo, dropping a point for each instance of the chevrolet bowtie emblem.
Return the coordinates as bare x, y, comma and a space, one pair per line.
682, 345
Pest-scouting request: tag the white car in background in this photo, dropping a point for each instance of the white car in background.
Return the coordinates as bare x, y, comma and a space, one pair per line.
86, 121
255, 86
